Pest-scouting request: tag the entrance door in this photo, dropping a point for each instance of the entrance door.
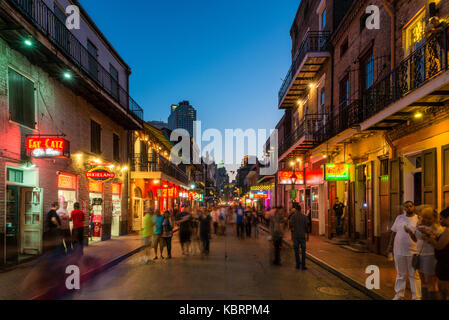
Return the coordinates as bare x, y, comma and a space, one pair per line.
31, 221
429, 177
330, 217
137, 214
116, 212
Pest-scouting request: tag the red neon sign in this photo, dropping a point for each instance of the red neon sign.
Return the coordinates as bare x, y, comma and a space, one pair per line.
100, 174
47, 147
314, 177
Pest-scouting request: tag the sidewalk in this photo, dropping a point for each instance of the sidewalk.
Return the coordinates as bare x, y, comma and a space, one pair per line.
350, 266
25, 281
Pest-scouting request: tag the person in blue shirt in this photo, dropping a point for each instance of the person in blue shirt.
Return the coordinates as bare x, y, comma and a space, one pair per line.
239, 212
157, 239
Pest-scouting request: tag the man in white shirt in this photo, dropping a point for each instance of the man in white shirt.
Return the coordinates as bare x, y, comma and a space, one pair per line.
65, 225
403, 249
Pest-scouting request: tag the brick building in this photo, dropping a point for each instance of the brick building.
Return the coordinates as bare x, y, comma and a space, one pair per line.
384, 137
64, 111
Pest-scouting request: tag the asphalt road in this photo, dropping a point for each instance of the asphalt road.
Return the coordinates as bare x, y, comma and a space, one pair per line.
235, 269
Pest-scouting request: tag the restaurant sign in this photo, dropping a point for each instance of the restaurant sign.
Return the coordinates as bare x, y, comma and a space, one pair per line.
285, 177
337, 172
260, 194
100, 174
47, 147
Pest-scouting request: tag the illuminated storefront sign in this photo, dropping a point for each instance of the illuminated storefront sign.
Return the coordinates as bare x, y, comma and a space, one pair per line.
47, 147
66, 181
263, 187
314, 177
100, 174
260, 194
96, 187
285, 177
337, 172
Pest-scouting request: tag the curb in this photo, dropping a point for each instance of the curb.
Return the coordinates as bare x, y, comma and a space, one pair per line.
353, 283
56, 291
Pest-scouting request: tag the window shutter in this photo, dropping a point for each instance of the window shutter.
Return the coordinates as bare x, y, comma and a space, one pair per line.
429, 178
21, 99
396, 191
445, 168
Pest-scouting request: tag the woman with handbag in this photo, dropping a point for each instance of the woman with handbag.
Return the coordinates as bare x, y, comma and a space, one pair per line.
167, 232
425, 261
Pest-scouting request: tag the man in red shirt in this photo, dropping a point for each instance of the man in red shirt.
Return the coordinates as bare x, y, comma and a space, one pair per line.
77, 216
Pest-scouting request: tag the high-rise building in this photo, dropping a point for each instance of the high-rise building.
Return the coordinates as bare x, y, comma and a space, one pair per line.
182, 116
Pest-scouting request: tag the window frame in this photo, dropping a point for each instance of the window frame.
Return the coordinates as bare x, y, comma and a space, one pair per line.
115, 148
92, 149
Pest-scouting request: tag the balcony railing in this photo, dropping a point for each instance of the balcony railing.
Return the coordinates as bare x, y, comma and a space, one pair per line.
307, 129
157, 163
56, 31
315, 41
420, 67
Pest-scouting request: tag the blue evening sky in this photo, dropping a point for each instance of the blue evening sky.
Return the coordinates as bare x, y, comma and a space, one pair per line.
227, 57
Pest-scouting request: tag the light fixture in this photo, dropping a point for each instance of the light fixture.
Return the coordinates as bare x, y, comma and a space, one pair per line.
28, 42
298, 160
111, 167
312, 85
67, 75
293, 178
125, 168
97, 160
418, 115
155, 181
299, 102
325, 156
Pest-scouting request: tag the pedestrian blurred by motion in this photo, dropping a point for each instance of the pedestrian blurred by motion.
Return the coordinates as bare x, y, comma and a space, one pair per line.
277, 223
77, 217
205, 228
147, 233
215, 214
248, 221
64, 217
339, 214
256, 222
195, 227
441, 245
157, 234
426, 252
403, 250
167, 232
52, 235
239, 221
183, 221
298, 224
222, 220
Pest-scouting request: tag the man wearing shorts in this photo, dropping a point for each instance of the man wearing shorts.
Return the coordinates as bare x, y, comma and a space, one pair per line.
157, 233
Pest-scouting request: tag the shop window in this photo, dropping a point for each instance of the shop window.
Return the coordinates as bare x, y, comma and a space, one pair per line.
414, 33
116, 147
21, 99
367, 72
95, 136
15, 176
323, 19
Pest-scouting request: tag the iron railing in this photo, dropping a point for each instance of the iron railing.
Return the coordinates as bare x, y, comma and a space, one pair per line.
424, 64
315, 41
157, 163
307, 129
44, 19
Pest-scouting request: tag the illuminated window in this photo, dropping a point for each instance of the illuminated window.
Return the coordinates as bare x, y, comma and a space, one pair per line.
414, 33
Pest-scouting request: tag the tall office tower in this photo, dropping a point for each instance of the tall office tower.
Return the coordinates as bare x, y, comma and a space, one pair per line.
182, 116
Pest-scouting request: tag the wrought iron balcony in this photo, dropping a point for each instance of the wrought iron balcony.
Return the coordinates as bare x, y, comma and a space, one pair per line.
303, 137
301, 72
44, 19
157, 163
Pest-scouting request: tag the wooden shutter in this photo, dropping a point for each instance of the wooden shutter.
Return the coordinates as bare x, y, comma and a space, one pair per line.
445, 169
396, 191
429, 177
21, 99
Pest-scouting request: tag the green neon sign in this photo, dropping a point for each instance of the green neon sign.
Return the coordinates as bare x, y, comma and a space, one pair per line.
337, 172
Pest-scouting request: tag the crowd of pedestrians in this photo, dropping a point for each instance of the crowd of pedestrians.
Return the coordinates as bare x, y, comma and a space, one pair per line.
419, 244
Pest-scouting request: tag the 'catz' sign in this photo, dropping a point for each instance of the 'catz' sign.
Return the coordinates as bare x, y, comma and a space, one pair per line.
47, 147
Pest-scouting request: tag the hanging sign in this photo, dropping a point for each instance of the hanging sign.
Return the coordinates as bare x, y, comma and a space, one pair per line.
285, 177
47, 147
260, 194
337, 172
100, 174
293, 194
314, 177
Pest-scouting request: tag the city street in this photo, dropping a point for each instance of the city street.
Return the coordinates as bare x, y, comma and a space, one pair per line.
235, 269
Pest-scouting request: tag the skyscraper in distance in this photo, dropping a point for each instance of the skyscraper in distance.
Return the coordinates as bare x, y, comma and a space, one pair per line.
182, 116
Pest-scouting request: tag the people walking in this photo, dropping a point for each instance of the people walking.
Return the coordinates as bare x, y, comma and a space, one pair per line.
256, 222
183, 221
239, 221
157, 233
298, 224
52, 236
205, 228
222, 220
215, 217
338, 209
441, 245
77, 217
167, 232
147, 233
66, 235
248, 221
277, 222
195, 225
404, 248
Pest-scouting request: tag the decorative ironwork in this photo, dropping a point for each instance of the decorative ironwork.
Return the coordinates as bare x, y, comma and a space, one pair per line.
157, 163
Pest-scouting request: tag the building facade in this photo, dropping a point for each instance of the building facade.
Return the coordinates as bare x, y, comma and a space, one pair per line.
65, 113
182, 116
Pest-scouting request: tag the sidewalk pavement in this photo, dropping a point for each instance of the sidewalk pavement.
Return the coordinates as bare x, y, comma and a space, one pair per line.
26, 280
350, 265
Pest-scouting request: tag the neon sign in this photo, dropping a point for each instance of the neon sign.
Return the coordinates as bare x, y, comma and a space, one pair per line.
337, 172
100, 174
47, 147
314, 177
285, 177
261, 194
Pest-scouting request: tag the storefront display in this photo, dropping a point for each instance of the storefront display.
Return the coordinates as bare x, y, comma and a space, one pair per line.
116, 208
96, 209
